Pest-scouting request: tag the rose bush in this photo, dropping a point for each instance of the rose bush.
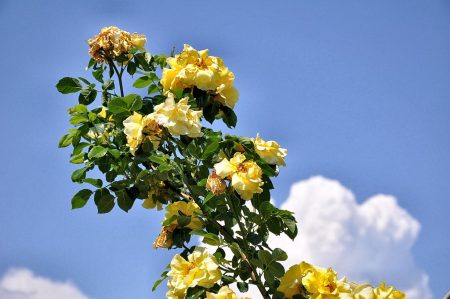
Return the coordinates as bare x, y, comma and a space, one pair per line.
151, 145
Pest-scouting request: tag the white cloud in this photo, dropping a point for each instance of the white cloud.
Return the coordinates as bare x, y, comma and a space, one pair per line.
20, 283
368, 242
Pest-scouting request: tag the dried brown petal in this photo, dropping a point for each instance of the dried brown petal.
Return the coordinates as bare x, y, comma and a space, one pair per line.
164, 239
215, 184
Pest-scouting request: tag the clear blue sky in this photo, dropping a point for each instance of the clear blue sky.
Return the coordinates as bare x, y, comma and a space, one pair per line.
358, 91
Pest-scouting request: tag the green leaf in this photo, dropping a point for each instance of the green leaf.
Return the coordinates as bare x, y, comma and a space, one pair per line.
276, 269
242, 286
97, 152
115, 153
253, 238
87, 95
104, 201
208, 197
108, 85
164, 167
279, 255
117, 105
158, 282
94, 182
158, 158
131, 68
124, 201
208, 238
228, 279
68, 85
229, 117
265, 257
77, 159
79, 174
80, 199
78, 119
65, 141
79, 148
153, 89
142, 82
202, 183
98, 74
210, 149
134, 102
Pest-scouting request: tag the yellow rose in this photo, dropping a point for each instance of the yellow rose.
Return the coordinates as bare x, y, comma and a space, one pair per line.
200, 269
196, 68
319, 283
246, 176
291, 282
178, 118
270, 151
385, 292
138, 40
227, 95
188, 209
224, 293
137, 128
361, 291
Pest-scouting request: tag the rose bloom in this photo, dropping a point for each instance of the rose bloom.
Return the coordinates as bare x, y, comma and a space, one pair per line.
138, 128
188, 209
384, 292
112, 42
200, 269
178, 118
196, 68
367, 291
224, 293
245, 175
270, 151
319, 283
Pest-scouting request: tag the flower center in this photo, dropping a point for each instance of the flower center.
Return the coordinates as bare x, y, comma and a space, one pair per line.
201, 63
242, 168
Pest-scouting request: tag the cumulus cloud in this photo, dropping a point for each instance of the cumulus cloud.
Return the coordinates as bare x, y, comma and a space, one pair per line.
368, 242
20, 283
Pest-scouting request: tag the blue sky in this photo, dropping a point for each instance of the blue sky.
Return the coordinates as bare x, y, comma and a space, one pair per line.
357, 91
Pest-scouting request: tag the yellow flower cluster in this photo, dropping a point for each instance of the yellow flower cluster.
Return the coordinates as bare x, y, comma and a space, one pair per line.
319, 283
187, 209
200, 269
178, 118
270, 151
196, 68
112, 42
245, 175
138, 128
